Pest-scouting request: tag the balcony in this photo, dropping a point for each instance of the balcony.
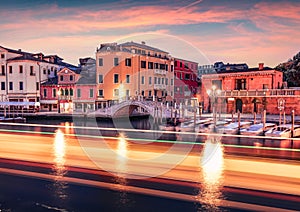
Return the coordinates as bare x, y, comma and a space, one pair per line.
160, 72
261, 93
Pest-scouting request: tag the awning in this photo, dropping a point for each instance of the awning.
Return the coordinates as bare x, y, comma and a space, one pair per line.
19, 103
53, 101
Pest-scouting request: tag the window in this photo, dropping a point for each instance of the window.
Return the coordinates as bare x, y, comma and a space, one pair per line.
172, 68
100, 78
31, 71
48, 71
127, 78
149, 93
78, 92
162, 81
71, 92
128, 62
116, 61
172, 81
37, 85
71, 77
91, 93
44, 71
167, 81
143, 80
167, 67
150, 80
156, 65
54, 92
180, 75
116, 78
265, 86
116, 92
2, 86
127, 93
21, 86
150, 65
11, 86
100, 61
240, 84
143, 64
66, 92
187, 76
2, 70
100, 93
61, 78
158, 80
2, 56
10, 69
45, 92
20, 69
186, 65
155, 80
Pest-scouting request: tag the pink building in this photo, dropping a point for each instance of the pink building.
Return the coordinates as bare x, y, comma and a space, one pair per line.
57, 93
186, 83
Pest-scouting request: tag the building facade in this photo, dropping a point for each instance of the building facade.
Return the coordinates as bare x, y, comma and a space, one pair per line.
86, 89
133, 71
249, 90
22, 73
186, 80
57, 92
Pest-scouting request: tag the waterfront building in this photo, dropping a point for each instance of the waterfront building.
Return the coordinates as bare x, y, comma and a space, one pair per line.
22, 73
85, 91
186, 81
57, 92
248, 90
133, 71
221, 67
205, 69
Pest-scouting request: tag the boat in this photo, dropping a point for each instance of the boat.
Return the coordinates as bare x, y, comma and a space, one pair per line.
208, 127
233, 128
191, 126
283, 131
256, 129
15, 119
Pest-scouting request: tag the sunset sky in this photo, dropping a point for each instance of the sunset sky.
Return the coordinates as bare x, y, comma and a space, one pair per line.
204, 31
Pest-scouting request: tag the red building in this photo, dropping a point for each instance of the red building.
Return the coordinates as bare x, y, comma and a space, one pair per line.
185, 83
57, 93
250, 90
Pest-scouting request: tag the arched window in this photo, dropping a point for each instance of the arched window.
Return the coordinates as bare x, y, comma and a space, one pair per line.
67, 92
71, 92
62, 92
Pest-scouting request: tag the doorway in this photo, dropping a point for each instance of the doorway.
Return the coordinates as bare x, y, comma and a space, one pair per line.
239, 105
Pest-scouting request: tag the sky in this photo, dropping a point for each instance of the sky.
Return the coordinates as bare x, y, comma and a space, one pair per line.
204, 31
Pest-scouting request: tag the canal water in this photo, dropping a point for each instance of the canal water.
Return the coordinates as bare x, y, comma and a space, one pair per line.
24, 193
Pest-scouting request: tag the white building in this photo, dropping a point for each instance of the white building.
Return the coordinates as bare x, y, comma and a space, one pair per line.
21, 74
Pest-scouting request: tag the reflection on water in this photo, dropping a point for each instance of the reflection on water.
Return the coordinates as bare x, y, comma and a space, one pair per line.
121, 170
212, 164
59, 169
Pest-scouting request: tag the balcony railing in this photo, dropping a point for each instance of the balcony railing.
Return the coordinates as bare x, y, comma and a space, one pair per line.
261, 93
160, 71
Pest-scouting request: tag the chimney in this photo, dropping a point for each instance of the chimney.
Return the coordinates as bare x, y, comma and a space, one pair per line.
261, 66
143, 42
19, 50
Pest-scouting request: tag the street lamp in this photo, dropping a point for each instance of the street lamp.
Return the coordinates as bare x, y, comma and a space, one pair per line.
58, 99
213, 93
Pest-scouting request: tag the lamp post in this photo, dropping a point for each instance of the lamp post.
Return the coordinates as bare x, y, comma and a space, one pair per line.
58, 99
213, 94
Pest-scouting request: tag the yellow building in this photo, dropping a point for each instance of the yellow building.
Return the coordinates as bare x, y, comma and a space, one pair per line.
133, 71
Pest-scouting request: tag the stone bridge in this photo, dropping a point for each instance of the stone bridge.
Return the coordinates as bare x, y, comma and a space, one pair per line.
129, 108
